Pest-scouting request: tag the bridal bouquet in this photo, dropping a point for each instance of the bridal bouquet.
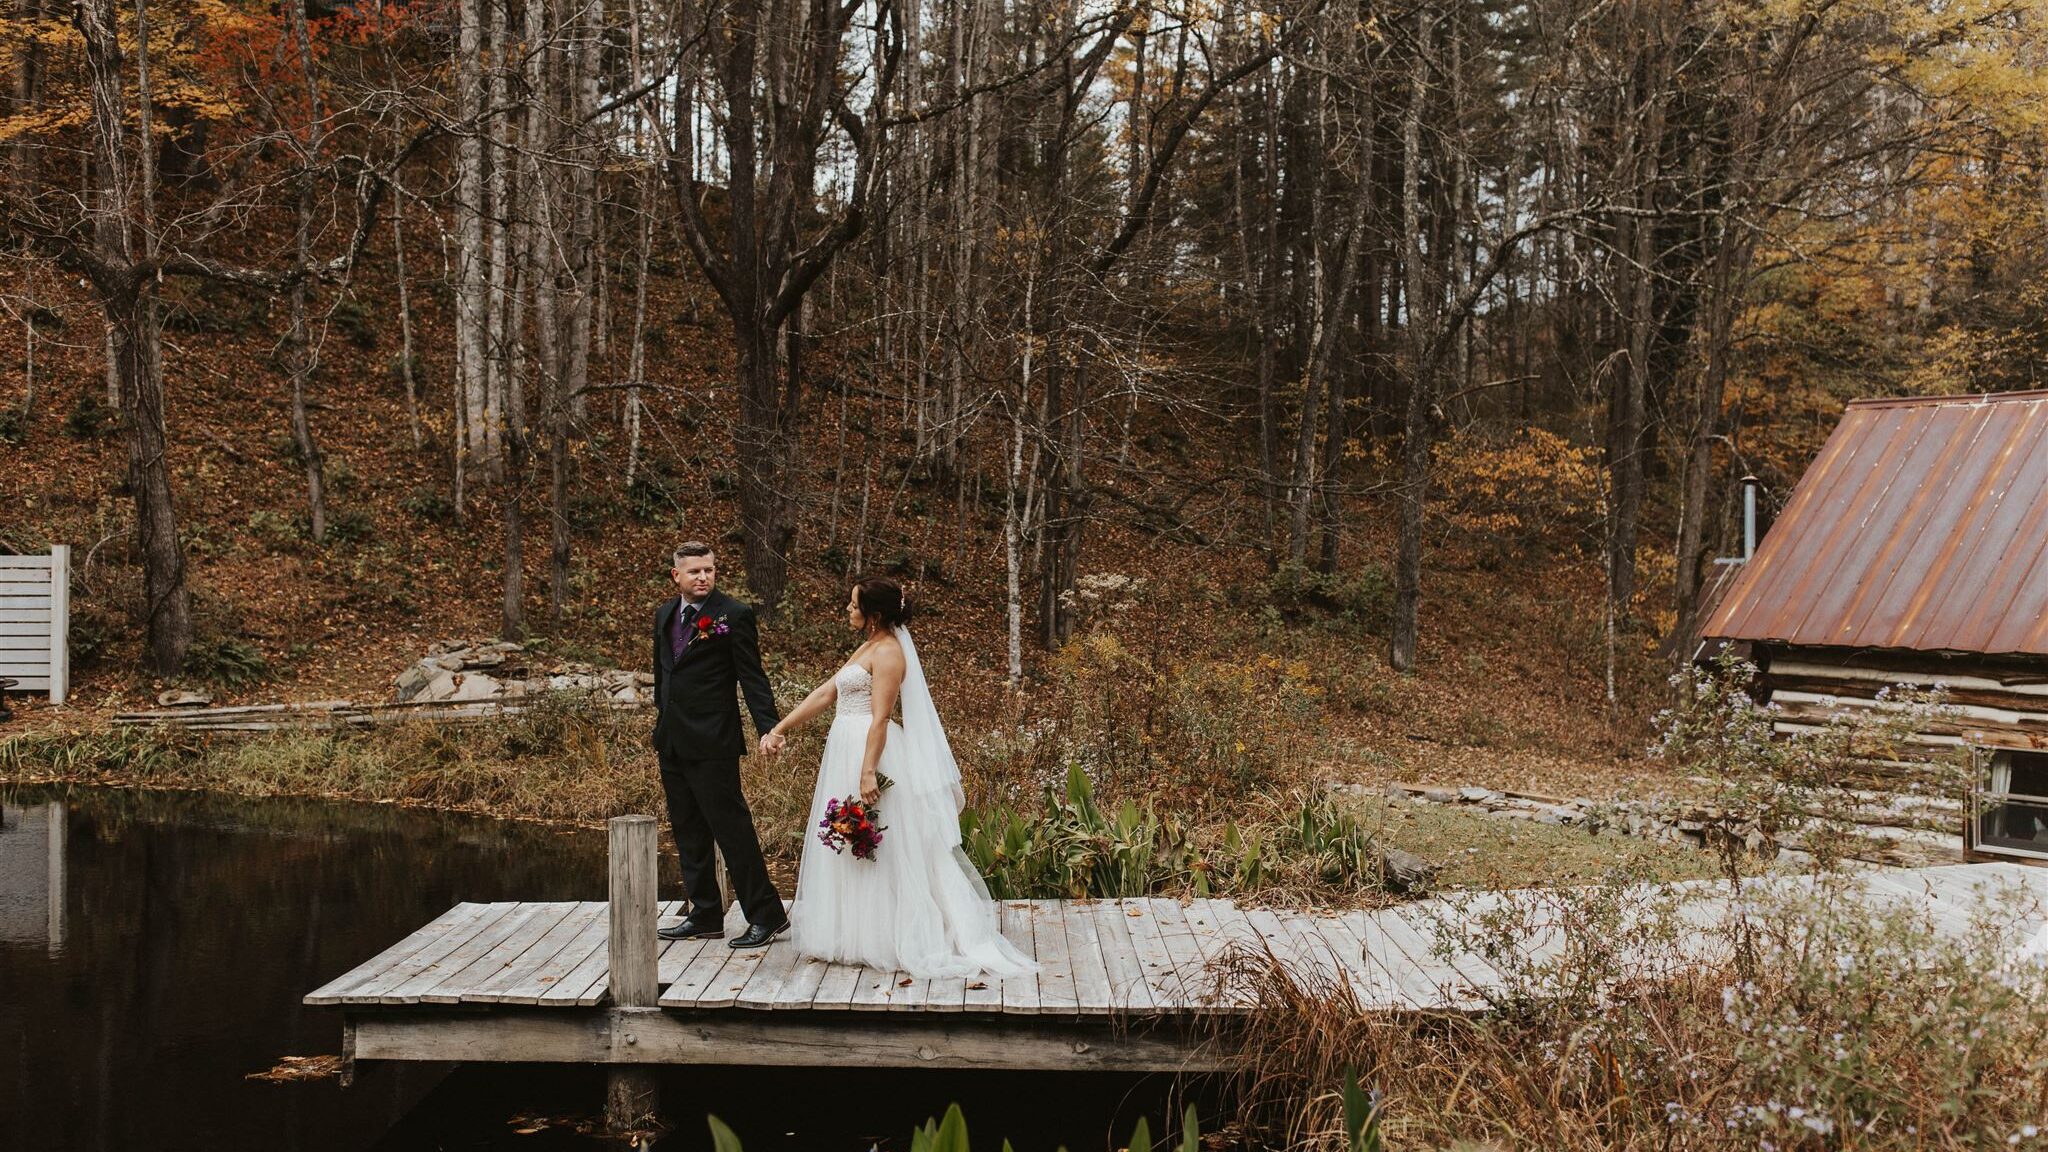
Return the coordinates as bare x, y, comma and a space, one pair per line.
851, 823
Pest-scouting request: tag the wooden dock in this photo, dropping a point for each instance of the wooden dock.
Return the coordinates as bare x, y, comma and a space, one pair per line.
1133, 984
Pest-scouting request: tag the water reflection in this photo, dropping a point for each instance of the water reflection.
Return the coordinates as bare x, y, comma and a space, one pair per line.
32, 876
154, 947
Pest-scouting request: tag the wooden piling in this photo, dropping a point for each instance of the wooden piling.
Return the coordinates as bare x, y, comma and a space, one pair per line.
631, 1093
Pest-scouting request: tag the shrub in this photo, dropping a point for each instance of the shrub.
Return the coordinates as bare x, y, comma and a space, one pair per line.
339, 474
429, 503
1363, 600
13, 426
226, 661
1076, 847
651, 496
90, 418
353, 317
1862, 1027
276, 531
1770, 789
344, 526
1507, 497
395, 372
92, 634
1209, 729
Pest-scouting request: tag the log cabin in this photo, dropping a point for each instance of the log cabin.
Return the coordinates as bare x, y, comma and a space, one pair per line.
1914, 551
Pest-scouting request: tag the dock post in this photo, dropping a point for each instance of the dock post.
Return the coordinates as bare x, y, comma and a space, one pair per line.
631, 1093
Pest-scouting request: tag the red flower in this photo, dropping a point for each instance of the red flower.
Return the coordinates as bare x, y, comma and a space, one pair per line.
704, 624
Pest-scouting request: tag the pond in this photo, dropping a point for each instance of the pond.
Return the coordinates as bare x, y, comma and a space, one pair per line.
154, 948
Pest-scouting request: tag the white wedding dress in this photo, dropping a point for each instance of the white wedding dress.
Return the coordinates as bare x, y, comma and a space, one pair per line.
918, 906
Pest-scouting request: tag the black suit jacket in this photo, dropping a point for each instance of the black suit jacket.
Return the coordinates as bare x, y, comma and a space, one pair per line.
697, 708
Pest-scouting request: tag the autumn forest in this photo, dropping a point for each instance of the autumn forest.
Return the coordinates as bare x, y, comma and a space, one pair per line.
1342, 300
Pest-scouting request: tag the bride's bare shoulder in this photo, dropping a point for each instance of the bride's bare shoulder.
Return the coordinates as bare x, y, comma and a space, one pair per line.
886, 658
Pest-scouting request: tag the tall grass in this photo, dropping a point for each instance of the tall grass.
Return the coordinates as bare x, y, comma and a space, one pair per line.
1852, 1030
566, 758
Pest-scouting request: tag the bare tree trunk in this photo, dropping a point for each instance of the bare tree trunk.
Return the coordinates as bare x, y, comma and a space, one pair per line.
1252, 293
1625, 444
1723, 301
579, 254
763, 266
124, 226
28, 367
1401, 641
472, 309
405, 353
1013, 594
505, 316
302, 358
1318, 376
637, 361
506, 381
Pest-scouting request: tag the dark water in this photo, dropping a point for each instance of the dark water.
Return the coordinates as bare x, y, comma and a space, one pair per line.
154, 947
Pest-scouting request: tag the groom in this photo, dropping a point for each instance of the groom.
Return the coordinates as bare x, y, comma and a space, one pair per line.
705, 646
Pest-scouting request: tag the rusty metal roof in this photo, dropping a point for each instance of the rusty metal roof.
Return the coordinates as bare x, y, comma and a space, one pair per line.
1922, 525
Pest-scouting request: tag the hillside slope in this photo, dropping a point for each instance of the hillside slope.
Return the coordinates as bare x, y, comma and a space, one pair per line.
1510, 689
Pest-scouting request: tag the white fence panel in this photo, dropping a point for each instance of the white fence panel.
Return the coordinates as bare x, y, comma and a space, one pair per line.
35, 622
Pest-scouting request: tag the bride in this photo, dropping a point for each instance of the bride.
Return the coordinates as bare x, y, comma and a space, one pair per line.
917, 906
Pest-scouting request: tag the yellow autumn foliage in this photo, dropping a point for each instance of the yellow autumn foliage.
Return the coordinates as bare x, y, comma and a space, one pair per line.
1508, 493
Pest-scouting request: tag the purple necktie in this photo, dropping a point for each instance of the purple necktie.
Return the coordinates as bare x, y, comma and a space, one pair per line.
680, 638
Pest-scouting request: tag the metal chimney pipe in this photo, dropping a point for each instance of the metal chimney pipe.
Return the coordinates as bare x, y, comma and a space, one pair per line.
1749, 487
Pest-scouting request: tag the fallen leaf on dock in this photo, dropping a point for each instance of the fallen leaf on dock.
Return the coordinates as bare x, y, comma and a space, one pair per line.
905, 982
293, 1068
978, 985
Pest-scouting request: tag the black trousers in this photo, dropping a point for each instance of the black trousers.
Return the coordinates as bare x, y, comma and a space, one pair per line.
706, 807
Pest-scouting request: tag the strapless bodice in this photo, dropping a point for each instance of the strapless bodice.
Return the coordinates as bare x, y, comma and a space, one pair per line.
856, 692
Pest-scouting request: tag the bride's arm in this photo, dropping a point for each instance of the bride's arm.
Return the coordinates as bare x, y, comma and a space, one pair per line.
820, 698
888, 682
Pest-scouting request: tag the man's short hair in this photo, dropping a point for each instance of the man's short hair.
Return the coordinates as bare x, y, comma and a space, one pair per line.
691, 548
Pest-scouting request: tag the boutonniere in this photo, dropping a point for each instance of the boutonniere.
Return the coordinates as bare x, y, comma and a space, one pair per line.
708, 627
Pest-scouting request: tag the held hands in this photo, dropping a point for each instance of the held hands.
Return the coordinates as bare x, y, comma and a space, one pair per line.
772, 742
870, 787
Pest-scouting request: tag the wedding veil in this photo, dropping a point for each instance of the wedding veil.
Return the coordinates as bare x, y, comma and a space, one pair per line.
924, 736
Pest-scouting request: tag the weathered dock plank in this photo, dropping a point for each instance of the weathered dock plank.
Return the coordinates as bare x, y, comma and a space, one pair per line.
335, 991
532, 983
520, 970
1020, 993
1089, 970
1128, 987
1056, 994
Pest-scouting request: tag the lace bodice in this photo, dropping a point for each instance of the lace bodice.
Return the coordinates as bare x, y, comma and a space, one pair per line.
856, 691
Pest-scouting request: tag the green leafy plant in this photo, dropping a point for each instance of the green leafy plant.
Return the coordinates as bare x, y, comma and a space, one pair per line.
429, 503
1361, 1116
90, 418
226, 661
949, 1134
1332, 840
274, 530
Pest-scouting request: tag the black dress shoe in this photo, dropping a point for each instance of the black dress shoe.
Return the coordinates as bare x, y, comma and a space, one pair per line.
691, 928
758, 935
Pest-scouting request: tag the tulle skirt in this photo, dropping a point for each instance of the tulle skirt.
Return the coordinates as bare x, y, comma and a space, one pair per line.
917, 906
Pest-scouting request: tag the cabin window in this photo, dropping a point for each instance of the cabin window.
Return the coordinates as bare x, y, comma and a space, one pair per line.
2013, 809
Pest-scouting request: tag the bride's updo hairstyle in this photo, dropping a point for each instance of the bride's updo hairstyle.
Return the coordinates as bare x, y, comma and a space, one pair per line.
883, 601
